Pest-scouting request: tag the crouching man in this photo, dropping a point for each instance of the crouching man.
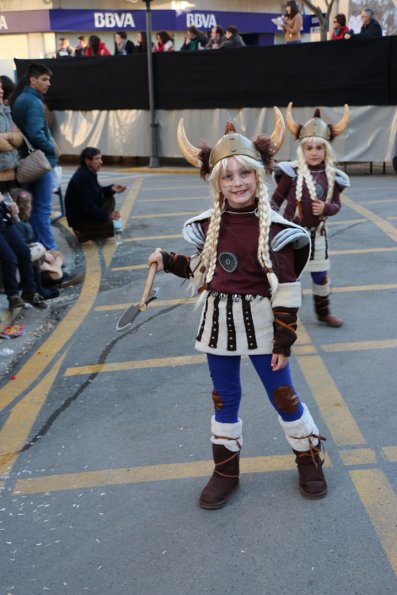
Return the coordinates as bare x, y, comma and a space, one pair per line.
90, 207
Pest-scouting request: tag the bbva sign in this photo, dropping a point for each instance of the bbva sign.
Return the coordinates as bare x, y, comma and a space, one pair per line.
109, 20
200, 20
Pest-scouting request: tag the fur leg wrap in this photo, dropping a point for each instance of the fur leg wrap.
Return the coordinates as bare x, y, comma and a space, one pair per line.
302, 433
228, 435
322, 290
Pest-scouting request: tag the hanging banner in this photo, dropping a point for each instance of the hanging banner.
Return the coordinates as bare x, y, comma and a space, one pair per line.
169, 20
26, 21
109, 20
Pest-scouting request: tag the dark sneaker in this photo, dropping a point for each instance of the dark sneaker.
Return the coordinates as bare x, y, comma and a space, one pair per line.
16, 302
35, 299
69, 280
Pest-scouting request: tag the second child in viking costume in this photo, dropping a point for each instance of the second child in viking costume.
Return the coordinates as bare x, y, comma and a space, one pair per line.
246, 268
311, 187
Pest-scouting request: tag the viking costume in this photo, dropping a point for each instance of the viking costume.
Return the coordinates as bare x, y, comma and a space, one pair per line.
299, 184
247, 266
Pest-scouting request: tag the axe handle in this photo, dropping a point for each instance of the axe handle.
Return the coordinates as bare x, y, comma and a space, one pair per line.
148, 286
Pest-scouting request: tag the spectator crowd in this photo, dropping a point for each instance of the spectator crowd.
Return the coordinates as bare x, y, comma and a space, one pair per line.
217, 38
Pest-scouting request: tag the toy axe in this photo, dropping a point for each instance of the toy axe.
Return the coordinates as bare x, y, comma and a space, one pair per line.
149, 294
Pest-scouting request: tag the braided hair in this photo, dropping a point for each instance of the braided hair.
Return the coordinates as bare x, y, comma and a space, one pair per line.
208, 257
304, 174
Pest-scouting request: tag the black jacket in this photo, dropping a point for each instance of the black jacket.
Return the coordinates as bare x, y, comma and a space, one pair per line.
84, 199
373, 29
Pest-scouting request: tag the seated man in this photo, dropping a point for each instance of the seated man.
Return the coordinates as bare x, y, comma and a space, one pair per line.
90, 207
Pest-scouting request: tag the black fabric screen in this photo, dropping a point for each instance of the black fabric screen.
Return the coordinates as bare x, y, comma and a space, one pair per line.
357, 72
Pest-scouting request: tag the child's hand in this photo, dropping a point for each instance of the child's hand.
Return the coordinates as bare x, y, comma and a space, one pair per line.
318, 207
156, 256
278, 362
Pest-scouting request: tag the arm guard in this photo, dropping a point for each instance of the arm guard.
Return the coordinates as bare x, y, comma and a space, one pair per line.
177, 264
284, 325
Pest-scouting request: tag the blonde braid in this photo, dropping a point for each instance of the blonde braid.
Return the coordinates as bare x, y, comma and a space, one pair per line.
211, 242
264, 212
304, 171
330, 171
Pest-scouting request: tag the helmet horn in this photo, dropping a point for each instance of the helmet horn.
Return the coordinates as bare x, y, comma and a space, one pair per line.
338, 128
293, 126
190, 153
278, 135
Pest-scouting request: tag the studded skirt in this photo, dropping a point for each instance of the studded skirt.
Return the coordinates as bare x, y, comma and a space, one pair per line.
231, 324
319, 258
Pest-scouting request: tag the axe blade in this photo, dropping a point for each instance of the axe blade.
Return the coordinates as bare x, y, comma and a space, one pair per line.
126, 319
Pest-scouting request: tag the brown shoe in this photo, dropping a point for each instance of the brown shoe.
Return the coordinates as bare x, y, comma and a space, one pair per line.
35, 299
224, 479
331, 321
312, 483
15, 301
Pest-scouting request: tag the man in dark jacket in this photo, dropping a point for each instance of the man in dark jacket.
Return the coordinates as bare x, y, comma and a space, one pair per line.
369, 26
29, 115
233, 39
90, 207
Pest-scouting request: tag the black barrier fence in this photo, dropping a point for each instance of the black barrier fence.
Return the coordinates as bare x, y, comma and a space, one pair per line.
357, 72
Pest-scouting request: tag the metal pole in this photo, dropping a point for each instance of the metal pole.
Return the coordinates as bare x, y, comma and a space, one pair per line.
154, 154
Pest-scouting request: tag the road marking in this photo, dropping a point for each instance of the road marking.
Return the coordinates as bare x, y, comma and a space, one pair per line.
379, 200
360, 346
176, 199
360, 288
386, 227
363, 251
110, 246
358, 456
171, 236
162, 362
347, 221
380, 502
390, 453
162, 215
333, 409
64, 330
15, 432
158, 303
189, 301
153, 473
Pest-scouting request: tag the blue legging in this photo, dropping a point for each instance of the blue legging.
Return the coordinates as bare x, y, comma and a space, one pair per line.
225, 375
319, 278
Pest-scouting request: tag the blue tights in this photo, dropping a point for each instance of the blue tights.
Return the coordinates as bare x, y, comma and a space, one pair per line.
225, 375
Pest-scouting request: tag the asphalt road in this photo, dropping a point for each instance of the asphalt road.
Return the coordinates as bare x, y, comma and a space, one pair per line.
104, 440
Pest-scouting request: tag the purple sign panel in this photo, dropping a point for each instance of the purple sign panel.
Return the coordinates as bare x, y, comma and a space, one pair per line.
26, 21
109, 20
114, 20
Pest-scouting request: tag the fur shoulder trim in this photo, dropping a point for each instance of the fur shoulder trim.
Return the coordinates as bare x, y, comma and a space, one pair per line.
297, 236
192, 230
342, 179
285, 167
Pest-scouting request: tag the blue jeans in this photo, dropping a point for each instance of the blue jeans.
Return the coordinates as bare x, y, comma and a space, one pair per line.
15, 253
40, 218
225, 374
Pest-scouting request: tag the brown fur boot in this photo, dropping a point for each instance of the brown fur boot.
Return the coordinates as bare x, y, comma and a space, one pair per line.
321, 306
224, 479
312, 482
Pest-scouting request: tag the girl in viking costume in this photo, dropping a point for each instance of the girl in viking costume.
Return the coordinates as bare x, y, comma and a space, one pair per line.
247, 267
311, 186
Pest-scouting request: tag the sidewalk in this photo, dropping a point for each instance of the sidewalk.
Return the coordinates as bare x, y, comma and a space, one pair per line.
38, 322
